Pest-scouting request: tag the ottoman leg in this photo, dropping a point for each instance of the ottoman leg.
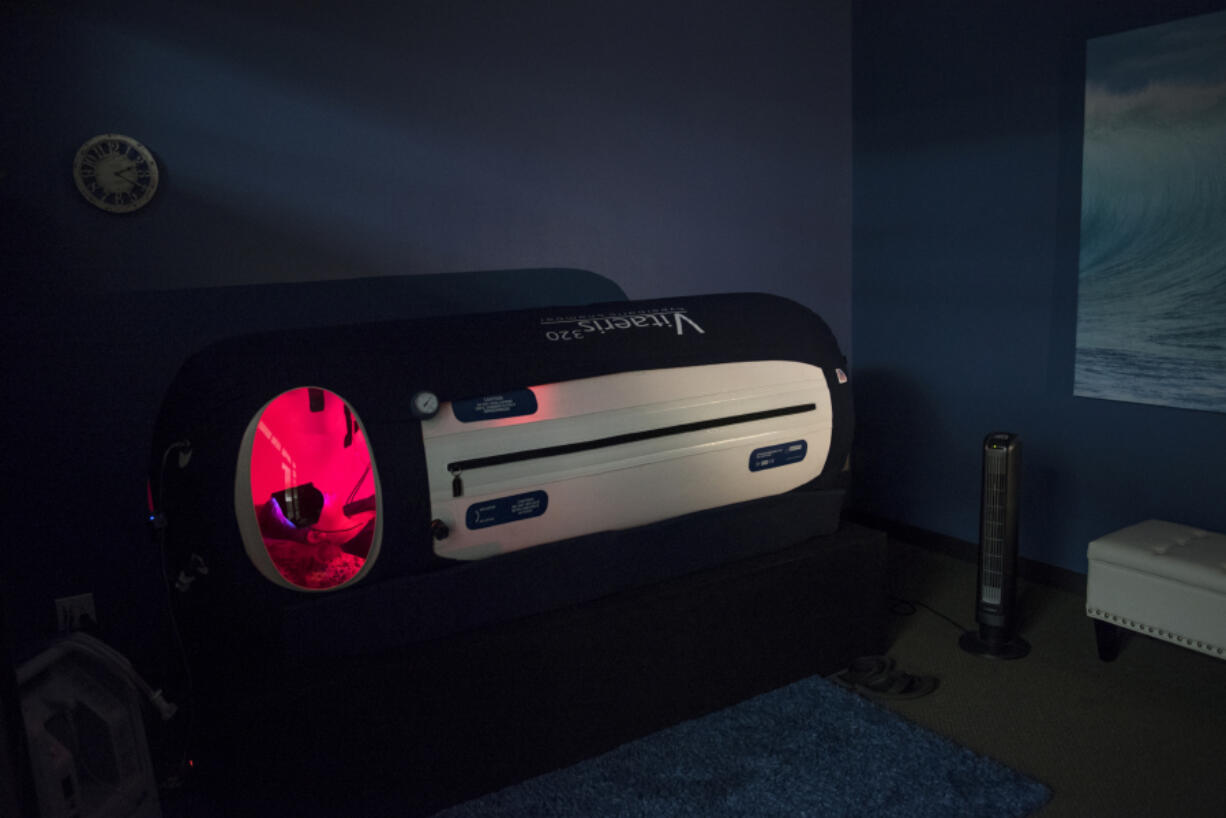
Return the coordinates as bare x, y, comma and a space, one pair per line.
1108, 637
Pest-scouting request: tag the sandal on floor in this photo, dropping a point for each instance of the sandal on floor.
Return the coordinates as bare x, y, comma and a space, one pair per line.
876, 678
867, 670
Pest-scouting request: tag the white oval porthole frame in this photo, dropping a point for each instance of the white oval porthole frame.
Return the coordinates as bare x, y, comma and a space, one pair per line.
245, 513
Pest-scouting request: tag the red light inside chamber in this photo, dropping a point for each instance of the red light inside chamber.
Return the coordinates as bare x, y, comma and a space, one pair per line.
307, 444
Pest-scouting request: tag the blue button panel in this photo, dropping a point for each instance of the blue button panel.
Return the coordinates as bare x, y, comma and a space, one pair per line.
770, 457
506, 510
491, 407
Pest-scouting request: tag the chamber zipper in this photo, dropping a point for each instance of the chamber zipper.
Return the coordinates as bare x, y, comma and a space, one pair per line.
456, 468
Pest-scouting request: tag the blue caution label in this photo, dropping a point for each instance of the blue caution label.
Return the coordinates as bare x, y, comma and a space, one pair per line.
506, 510
770, 457
490, 407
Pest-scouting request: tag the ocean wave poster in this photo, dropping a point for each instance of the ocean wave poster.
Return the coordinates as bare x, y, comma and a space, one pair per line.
1151, 299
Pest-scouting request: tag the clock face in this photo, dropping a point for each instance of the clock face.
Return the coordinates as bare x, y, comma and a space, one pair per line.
115, 173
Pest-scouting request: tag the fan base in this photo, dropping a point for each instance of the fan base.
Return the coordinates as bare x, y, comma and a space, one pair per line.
1013, 648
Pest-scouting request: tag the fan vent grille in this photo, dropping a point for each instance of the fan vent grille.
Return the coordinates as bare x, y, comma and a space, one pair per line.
995, 503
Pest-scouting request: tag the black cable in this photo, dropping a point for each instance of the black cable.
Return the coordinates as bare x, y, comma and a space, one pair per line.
167, 584
190, 703
900, 609
178, 444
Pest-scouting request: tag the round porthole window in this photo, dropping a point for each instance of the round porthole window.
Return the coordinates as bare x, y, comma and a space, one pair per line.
306, 492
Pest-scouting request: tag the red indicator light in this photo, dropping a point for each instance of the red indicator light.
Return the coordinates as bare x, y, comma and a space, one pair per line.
313, 488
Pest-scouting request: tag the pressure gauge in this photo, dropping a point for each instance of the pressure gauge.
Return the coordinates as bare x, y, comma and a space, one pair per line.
424, 405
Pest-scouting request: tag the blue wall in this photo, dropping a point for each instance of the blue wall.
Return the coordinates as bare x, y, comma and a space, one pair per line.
675, 148
966, 213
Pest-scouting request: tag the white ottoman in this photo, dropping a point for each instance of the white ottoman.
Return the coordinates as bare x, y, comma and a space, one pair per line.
1160, 579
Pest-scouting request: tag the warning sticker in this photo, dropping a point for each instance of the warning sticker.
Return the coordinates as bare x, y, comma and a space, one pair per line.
506, 510
770, 457
506, 405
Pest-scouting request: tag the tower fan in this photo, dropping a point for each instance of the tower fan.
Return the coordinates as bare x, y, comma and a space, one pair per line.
995, 609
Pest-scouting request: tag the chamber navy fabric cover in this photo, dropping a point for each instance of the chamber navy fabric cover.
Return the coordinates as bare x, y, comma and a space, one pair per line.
377, 367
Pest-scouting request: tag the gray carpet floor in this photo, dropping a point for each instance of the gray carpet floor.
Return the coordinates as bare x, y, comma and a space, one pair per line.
1144, 735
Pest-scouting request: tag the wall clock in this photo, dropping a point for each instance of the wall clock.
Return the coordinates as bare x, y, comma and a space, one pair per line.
115, 173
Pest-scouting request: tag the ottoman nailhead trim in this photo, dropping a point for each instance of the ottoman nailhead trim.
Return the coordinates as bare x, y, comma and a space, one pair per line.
1161, 538
1097, 613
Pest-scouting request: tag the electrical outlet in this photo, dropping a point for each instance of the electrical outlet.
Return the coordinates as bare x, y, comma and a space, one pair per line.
72, 611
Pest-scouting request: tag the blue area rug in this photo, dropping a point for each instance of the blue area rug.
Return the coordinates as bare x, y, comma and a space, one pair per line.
808, 749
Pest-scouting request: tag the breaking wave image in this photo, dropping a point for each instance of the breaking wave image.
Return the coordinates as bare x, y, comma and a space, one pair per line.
1151, 303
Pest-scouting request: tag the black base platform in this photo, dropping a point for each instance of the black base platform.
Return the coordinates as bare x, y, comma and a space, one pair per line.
1012, 648
412, 732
